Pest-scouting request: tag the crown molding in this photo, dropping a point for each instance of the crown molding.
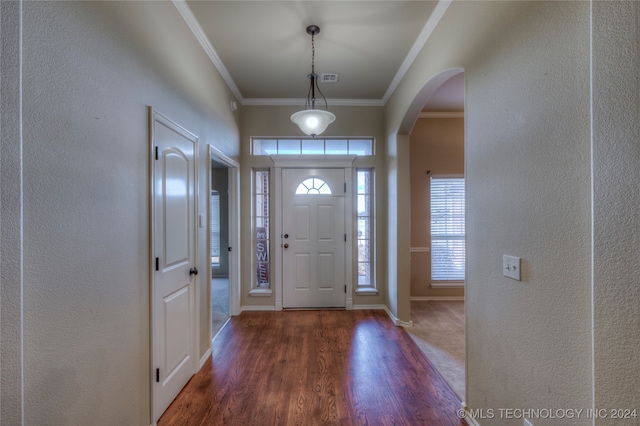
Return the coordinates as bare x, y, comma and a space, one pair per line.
204, 41
301, 101
424, 35
441, 114
198, 32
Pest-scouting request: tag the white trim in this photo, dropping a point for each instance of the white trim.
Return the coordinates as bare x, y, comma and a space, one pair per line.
204, 41
437, 298
426, 32
234, 225
420, 249
257, 308
260, 292
444, 284
452, 114
194, 300
371, 307
417, 46
469, 418
314, 161
301, 102
306, 161
204, 358
367, 291
397, 321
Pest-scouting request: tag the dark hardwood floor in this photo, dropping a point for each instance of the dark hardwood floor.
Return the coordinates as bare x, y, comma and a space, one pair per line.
313, 368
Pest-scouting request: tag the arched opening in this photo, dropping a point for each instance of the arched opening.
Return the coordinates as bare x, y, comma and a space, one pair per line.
435, 124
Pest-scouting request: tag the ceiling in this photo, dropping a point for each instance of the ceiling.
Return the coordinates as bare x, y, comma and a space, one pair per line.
264, 53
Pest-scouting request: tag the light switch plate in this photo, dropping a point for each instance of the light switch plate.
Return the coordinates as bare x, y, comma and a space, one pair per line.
511, 267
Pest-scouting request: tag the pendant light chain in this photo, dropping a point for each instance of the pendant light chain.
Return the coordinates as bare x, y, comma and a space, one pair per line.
310, 120
313, 55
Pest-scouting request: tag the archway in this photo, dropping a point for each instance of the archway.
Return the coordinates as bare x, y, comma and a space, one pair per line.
433, 129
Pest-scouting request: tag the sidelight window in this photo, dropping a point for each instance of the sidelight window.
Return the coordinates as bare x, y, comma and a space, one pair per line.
262, 279
364, 206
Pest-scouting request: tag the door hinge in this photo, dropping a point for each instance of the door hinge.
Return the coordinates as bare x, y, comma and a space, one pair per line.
157, 155
345, 187
345, 288
157, 263
157, 375
345, 238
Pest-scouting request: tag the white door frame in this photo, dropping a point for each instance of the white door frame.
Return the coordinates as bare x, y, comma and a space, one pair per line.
234, 229
319, 162
156, 117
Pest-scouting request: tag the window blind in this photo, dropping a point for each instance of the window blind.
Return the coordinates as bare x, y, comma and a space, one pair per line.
215, 227
447, 229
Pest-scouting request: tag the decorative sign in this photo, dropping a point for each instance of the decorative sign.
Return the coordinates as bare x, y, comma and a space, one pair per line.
262, 256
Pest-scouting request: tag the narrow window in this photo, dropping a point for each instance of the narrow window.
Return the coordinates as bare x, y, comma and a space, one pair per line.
215, 229
447, 230
364, 204
261, 227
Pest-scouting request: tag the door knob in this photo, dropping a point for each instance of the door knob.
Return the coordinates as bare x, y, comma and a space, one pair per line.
286, 235
193, 271
286, 246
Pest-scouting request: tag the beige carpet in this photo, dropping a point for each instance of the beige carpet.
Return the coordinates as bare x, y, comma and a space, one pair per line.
438, 329
219, 303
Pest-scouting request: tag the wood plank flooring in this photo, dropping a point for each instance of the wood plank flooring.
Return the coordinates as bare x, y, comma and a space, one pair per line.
314, 368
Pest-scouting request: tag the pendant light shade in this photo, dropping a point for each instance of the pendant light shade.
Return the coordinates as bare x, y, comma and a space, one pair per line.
313, 121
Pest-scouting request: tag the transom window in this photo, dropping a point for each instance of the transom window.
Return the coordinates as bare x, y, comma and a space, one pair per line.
313, 186
315, 146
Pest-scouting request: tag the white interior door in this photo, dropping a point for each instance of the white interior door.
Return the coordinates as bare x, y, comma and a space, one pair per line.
173, 293
314, 238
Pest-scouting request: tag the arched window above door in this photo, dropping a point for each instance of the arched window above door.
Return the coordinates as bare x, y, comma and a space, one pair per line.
313, 186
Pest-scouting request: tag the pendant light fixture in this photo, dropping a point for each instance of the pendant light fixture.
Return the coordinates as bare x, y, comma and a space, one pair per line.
313, 121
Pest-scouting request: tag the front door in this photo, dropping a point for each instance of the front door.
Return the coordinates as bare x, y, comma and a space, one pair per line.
174, 235
314, 238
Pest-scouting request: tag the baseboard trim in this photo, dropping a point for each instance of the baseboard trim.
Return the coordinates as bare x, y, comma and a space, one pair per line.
395, 320
204, 358
443, 298
372, 307
257, 308
471, 421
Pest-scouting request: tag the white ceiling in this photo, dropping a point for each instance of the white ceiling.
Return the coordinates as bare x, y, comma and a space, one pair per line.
263, 51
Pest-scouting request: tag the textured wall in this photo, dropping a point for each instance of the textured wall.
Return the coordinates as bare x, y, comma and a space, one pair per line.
11, 232
90, 72
527, 167
437, 145
528, 195
616, 197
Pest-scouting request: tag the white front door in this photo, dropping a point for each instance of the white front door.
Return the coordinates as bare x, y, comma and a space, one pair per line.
314, 238
174, 248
